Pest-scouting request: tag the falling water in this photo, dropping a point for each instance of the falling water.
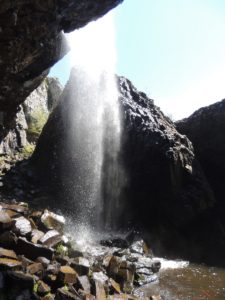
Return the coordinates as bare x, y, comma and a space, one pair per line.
95, 122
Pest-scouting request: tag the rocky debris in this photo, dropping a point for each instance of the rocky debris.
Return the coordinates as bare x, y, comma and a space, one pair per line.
37, 263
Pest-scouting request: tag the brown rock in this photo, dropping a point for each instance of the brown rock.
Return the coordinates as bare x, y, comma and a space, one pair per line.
12, 213
5, 221
67, 275
35, 268
115, 285
7, 253
52, 221
25, 261
9, 264
99, 291
156, 297
36, 235
126, 275
14, 207
51, 238
43, 288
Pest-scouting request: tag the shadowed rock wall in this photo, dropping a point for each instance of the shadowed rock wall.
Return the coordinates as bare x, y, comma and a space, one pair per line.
32, 41
206, 129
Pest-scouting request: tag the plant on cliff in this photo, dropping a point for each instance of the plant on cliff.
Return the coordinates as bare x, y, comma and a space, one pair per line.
38, 120
28, 150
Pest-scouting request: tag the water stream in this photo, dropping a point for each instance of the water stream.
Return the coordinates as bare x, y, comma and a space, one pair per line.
181, 281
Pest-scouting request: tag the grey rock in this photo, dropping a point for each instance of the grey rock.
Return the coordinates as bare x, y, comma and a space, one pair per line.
23, 226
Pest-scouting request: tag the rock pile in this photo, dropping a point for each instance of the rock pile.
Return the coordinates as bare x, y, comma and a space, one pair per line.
37, 261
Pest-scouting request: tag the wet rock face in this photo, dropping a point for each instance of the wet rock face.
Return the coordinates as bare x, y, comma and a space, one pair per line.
163, 184
205, 128
32, 41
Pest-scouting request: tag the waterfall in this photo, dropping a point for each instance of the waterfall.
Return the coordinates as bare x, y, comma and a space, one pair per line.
95, 124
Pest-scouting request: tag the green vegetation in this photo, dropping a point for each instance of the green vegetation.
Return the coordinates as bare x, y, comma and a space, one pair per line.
28, 150
61, 250
37, 122
35, 287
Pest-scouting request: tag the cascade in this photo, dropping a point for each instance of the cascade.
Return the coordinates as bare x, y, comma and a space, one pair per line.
94, 138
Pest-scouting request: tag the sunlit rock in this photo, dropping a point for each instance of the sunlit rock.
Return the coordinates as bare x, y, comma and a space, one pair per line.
67, 275
51, 238
9, 264
23, 226
7, 253
53, 221
35, 268
43, 288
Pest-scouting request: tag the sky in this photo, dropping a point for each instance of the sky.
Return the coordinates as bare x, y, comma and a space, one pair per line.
174, 50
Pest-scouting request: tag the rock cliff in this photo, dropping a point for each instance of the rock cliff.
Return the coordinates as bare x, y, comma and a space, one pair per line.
31, 116
164, 175
32, 41
165, 191
205, 128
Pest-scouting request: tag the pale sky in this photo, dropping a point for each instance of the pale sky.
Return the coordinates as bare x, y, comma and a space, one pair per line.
174, 50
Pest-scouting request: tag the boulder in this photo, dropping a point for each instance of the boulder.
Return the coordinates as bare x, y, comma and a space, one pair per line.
52, 221
19, 277
67, 275
31, 250
43, 288
9, 264
35, 268
5, 253
51, 238
22, 226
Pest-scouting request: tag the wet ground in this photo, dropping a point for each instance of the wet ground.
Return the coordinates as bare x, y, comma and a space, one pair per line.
177, 280
183, 281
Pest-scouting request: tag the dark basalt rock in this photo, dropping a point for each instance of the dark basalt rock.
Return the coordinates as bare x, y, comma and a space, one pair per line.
166, 184
32, 41
165, 190
205, 128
